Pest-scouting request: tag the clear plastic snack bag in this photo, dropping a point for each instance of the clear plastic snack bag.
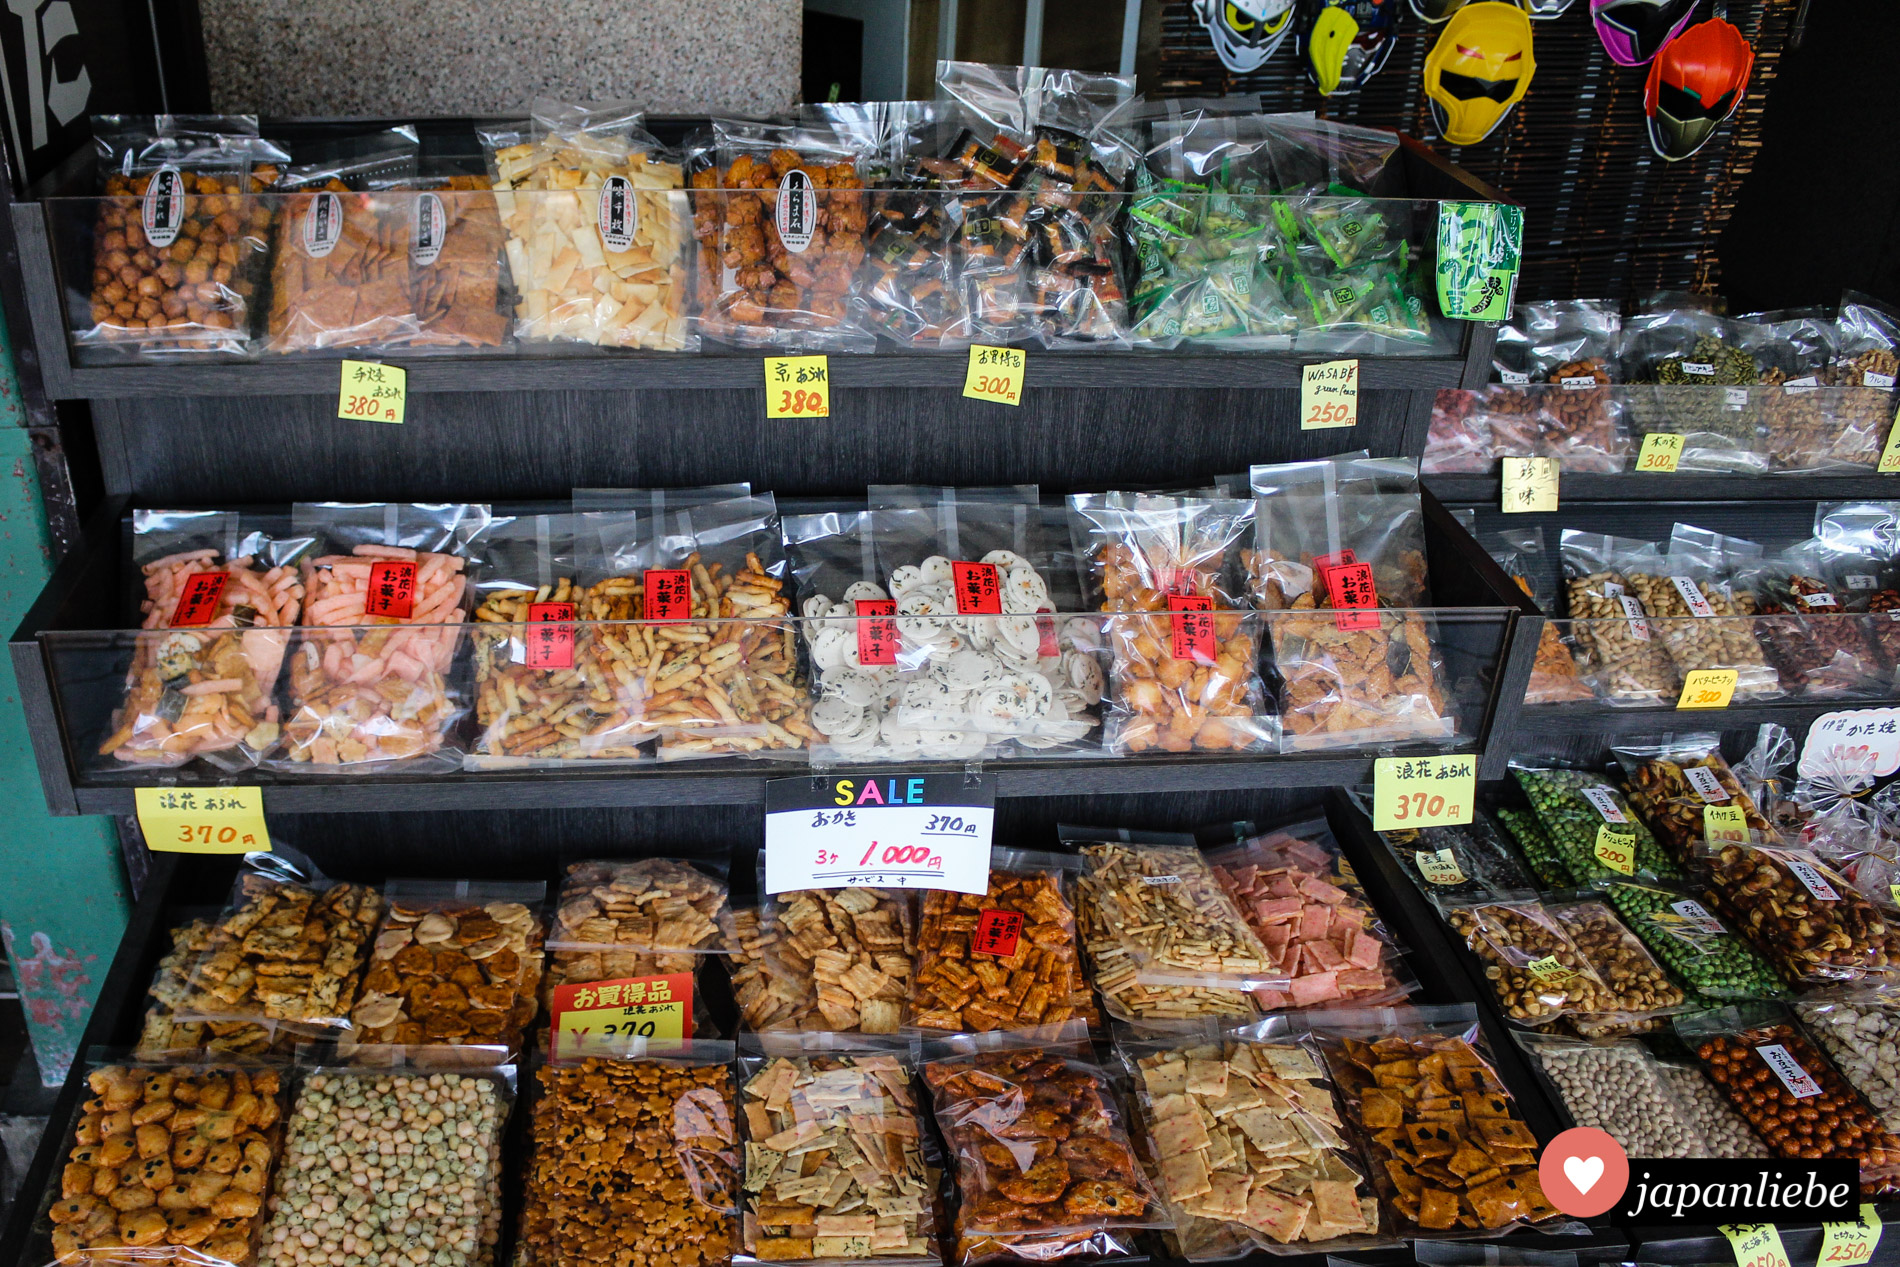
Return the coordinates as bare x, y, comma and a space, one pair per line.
596, 216
1590, 825
1166, 907
1690, 603
1710, 959
1618, 1088
1801, 913
221, 593
1637, 991
1858, 540
837, 960
1819, 648
1554, 675
1675, 781
1530, 961
383, 610
1626, 658
456, 251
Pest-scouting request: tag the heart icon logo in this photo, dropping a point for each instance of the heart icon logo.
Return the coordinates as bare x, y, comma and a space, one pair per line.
1583, 1172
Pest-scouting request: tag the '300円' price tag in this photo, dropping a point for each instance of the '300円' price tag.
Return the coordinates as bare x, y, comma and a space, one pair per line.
601, 1017
371, 392
202, 820
1707, 688
1660, 453
996, 374
920, 831
1890, 456
797, 387
1329, 395
1423, 791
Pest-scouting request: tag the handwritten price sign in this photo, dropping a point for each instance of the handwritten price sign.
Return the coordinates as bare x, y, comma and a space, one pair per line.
1329, 395
1755, 1244
1616, 849
929, 831
1423, 791
1890, 456
372, 393
1659, 453
596, 1013
202, 820
1850, 1244
1707, 688
996, 374
797, 387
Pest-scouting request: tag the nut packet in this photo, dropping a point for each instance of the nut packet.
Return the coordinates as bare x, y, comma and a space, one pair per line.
596, 216
1620, 1088
1317, 925
180, 241
685, 1199
1637, 991
1819, 648
1471, 861
215, 1189
1533, 965
340, 273
1592, 827
1183, 645
1690, 604
1859, 540
1855, 1026
1800, 912
457, 964
1674, 782
1626, 660
287, 953
1471, 1168
794, 1089
383, 609
1008, 958
220, 594
1702, 952
1082, 1202
1528, 834
1243, 1127
838, 960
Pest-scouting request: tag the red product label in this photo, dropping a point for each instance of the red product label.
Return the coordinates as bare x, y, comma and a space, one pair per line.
669, 594
550, 640
978, 589
198, 601
1046, 644
392, 589
1193, 619
1355, 600
877, 637
997, 933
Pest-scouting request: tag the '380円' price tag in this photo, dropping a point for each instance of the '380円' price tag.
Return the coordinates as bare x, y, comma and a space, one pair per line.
1423, 791
372, 392
797, 387
919, 831
202, 820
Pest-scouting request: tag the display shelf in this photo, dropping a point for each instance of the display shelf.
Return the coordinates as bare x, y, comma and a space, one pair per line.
1487, 490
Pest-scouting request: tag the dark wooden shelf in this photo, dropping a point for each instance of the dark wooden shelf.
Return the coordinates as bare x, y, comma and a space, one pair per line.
1487, 489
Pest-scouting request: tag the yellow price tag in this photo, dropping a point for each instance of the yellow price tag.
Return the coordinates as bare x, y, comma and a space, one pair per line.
996, 374
1724, 822
797, 387
1329, 395
1850, 1244
1440, 867
1423, 792
1893, 891
202, 819
1548, 970
1530, 485
1890, 456
1616, 848
1659, 453
1707, 688
1755, 1244
372, 392
610, 1017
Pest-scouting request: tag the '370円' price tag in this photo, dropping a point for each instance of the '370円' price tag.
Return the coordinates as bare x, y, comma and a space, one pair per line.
202, 820
1423, 791
1530, 485
996, 374
797, 387
1755, 1244
372, 392
919, 831
1329, 395
607, 1017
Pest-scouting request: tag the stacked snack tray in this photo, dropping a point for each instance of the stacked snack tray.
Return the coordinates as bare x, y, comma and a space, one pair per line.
633, 1160
1704, 954
1675, 782
1862, 1033
1535, 844
1637, 989
456, 964
169, 1162
288, 953
834, 1161
1533, 967
825, 959
1595, 832
1249, 1144
1006, 959
1043, 1163
1790, 1093
1455, 863
1164, 905
1318, 927
369, 1142
1799, 912
1447, 1146
1619, 1088
1116, 973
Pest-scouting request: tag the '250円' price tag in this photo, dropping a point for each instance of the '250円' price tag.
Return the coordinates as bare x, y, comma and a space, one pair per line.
797, 387
1329, 395
1423, 791
920, 831
1850, 1244
202, 820
372, 392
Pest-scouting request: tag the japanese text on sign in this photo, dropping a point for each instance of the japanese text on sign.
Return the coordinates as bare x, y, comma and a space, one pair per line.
978, 589
1192, 619
797, 387
198, 599
202, 820
1755, 1244
1852, 739
1329, 395
1850, 1244
929, 831
877, 631
1707, 688
1530, 485
1423, 791
1890, 456
1660, 453
669, 594
373, 392
1616, 849
601, 1015
392, 589
1724, 822
1798, 1081
550, 636
997, 933
995, 374
1355, 598
1549, 970
1438, 868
